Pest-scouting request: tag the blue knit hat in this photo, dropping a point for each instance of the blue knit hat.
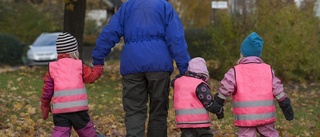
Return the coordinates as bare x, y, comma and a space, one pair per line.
252, 45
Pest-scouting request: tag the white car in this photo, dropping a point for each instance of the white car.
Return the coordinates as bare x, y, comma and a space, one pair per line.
43, 50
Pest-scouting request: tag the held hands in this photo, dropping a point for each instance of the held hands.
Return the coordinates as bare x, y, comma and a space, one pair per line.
98, 69
218, 105
220, 115
45, 108
286, 108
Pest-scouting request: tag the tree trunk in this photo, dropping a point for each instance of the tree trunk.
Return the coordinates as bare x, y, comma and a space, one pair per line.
74, 21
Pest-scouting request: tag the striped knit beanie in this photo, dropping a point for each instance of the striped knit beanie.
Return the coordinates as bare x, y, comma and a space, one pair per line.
66, 43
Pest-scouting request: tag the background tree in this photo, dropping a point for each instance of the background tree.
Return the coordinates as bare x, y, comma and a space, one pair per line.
74, 19
291, 43
193, 13
23, 20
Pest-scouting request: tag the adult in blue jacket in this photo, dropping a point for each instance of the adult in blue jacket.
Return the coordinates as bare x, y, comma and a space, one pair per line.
154, 37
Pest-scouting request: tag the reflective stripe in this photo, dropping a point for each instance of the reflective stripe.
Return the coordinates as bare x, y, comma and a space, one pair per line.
191, 111
69, 92
254, 116
195, 122
282, 94
253, 103
70, 104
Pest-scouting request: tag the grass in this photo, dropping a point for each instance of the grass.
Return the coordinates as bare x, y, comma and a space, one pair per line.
20, 113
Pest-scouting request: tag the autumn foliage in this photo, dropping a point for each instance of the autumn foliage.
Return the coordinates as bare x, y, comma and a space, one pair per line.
20, 113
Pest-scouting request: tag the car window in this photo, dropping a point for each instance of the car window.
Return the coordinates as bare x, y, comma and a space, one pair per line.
46, 40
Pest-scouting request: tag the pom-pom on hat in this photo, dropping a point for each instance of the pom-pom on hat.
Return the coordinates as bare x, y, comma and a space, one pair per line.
252, 45
198, 65
66, 43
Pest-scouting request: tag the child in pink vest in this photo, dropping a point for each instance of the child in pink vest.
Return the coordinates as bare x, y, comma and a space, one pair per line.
253, 87
192, 100
64, 88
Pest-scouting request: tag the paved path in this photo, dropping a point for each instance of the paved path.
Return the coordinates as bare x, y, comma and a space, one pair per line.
8, 68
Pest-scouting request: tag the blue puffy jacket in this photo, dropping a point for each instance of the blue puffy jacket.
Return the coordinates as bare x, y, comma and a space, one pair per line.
153, 35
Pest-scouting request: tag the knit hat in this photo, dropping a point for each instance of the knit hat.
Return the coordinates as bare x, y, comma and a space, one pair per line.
252, 45
198, 65
66, 43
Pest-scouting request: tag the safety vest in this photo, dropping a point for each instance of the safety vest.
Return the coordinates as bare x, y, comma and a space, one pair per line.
189, 111
69, 90
253, 102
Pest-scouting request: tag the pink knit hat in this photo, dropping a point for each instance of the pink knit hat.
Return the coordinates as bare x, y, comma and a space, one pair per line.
198, 65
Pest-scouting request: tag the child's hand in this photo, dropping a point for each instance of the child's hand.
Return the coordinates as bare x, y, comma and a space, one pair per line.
45, 112
45, 108
286, 108
98, 69
221, 114
217, 105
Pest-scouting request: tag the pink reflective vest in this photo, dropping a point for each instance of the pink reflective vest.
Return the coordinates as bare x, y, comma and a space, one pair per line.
69, 90
253, 102
189, 111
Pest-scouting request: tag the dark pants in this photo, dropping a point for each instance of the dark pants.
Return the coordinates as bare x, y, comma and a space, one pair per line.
196, 132
137, 88
77, 119
80, 121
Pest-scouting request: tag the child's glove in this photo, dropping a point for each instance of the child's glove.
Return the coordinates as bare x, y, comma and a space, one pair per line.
220, 115
216, 106
97, 70
45, 108
286, 108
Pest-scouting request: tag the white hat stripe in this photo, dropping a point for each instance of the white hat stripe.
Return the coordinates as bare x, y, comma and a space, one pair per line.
65, 39
67, 43
64, 48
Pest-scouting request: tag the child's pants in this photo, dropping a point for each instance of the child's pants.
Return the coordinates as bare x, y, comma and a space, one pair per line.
196, 132
264, 130
80, 121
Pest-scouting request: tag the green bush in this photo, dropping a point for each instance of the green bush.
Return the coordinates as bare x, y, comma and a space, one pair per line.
11, 50
224, 51
291, 42
24, 21
198, 39
290, 34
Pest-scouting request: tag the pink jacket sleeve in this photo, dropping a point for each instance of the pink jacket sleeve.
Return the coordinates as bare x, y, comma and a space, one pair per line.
277, 88
228, 83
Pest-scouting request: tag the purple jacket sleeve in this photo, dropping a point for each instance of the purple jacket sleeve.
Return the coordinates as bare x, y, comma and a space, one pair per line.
48, 88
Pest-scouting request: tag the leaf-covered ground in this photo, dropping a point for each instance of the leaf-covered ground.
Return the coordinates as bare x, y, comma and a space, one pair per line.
20, 113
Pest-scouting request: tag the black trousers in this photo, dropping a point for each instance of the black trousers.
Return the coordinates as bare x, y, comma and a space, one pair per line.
76, 119
138, 89
196, 132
